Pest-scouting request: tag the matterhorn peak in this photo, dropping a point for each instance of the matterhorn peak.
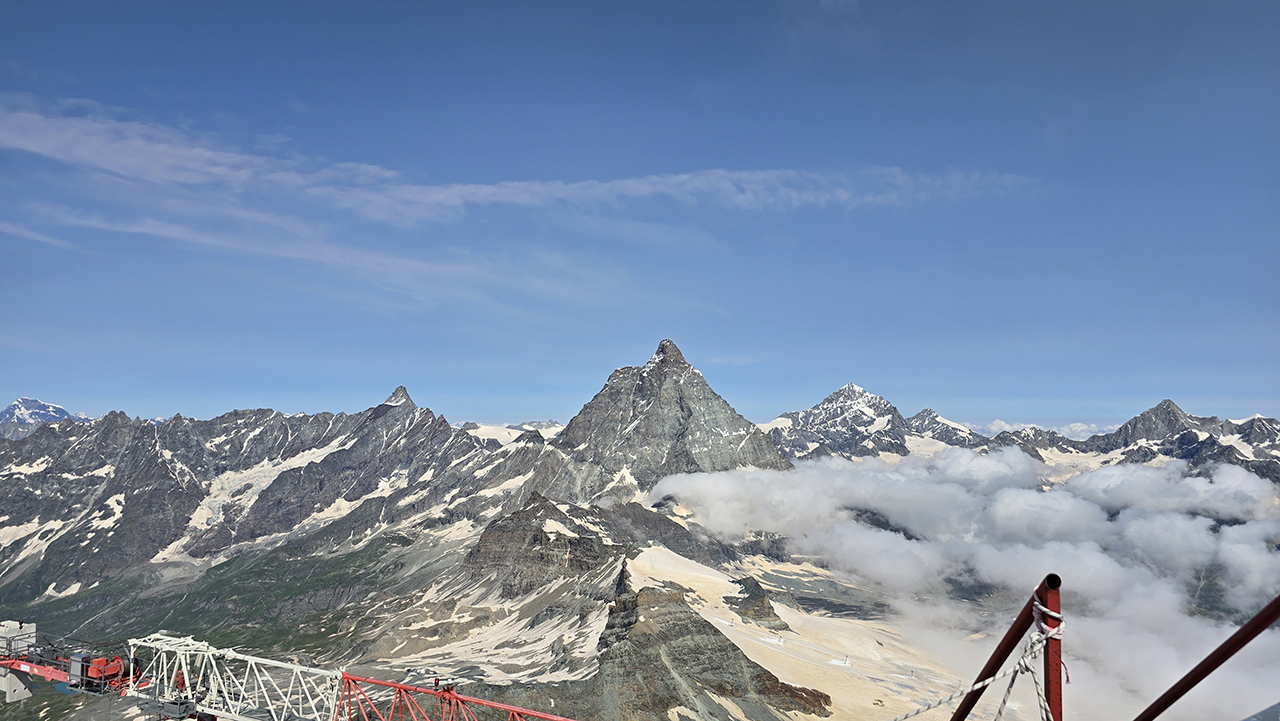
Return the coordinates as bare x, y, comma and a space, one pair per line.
667, 355
399, 397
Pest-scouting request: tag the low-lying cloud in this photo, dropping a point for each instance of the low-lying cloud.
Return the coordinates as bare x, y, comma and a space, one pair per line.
1156, 563
1077, 431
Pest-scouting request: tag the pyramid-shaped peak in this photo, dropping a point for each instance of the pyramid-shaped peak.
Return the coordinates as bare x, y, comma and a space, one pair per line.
855, 396
399, 397
667, 355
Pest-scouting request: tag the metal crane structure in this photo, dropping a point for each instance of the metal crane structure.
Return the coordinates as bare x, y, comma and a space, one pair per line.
182, 678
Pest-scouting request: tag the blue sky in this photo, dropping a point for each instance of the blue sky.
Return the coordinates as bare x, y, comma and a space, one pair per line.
999, 210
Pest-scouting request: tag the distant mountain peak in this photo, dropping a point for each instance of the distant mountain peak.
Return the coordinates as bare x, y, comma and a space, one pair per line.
850, 422
399, 397
33, 410
22, 417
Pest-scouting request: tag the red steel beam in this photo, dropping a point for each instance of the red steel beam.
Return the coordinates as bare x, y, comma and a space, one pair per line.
49, 673
449, 695
1049, 598
1003, 650
1255, 626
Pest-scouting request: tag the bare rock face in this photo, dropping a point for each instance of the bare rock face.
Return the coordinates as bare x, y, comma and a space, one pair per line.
649, 422
538, 544
656, 653
753, 604
658, 659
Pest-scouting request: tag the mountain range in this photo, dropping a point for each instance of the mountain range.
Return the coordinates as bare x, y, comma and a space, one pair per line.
853, 423
531, 566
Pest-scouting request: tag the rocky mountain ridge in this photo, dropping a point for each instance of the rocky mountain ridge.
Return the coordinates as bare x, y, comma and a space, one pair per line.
854, 423
384, 537
393, 541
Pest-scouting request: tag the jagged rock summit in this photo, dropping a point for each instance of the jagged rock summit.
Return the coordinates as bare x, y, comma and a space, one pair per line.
649, 422
399, 397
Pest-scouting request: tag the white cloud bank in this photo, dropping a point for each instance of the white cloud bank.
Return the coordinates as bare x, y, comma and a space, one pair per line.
1132, 544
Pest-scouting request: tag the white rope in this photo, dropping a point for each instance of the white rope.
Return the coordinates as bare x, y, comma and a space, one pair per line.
1035, 646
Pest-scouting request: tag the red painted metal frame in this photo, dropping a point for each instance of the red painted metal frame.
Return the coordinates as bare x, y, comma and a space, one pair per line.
1251, 629
1020, 626
450, 705
49, 673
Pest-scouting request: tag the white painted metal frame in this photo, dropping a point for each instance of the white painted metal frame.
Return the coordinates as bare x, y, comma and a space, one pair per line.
232, 685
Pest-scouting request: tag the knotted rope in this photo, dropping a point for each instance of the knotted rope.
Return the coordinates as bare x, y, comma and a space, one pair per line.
1035, 646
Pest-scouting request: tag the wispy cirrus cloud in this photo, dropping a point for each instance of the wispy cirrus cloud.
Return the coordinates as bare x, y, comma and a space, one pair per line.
169, 182
463, 277
753, 190
163, 154
127, 148
21, 232
11, 341
733, 360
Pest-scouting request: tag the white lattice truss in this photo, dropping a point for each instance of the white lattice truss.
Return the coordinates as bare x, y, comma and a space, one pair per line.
232, 685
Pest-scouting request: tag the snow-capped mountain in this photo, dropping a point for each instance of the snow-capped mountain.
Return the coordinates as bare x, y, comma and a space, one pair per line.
851, 422
928, 424
494, 436
403, 539
1161, 434
393, 541
23, 416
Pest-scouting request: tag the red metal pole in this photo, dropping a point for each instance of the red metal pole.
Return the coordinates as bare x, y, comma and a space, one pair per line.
1048, 594
1255, 626
998, 657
